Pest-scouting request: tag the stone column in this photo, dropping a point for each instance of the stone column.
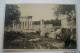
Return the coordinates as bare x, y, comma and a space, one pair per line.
42, 28
13, 26
29, 23
18, 27
21, 26
26, 23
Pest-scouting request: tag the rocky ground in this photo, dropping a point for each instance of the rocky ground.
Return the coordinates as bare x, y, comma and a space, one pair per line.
31, 41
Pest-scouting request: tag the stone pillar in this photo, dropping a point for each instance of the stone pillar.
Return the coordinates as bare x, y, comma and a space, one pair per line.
29, 23
13, 25
21, 26
18, 27
24, 26
42, 28
26, 23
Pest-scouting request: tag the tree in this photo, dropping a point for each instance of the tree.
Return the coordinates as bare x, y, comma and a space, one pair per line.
12, 13
63, 8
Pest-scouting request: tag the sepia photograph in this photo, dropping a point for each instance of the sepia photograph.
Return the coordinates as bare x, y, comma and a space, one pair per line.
40, 26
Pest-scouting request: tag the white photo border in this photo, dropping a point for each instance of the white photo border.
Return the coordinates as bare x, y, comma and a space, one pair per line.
2, 18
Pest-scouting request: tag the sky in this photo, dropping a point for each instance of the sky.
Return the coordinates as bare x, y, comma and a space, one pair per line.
38, 11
